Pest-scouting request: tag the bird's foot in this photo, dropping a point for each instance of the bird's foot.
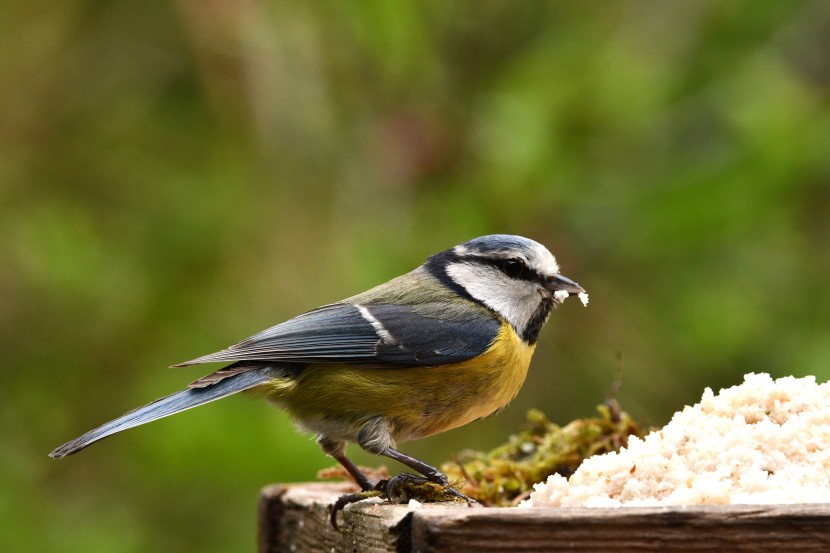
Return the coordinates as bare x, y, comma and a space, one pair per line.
405, 486
401, 489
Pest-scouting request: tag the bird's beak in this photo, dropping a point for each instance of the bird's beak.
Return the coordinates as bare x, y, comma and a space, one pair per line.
557, 282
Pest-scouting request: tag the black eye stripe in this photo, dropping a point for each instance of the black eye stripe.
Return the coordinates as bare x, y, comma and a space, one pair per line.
516, 268
437, 266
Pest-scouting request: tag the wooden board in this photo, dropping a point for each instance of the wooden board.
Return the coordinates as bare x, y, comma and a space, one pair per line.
295, 518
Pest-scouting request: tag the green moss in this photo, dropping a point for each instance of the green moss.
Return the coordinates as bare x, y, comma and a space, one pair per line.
506, 474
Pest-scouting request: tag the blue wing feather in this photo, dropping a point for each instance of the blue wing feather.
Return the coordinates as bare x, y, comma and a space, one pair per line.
339, 333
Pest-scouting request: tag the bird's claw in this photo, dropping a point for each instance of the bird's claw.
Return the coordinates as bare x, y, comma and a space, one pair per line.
348, 498
400, 489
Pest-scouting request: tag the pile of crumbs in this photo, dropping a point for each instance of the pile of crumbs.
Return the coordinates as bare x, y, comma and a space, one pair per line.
762, 442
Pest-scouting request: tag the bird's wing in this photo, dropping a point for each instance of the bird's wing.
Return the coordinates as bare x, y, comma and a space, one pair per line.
371, 335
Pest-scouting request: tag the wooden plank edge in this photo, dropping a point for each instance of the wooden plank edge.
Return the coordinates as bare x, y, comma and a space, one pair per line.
710, 528
295, 518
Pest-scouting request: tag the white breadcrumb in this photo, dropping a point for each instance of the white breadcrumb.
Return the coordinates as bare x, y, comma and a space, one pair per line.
414, 504
764, 441
562, 295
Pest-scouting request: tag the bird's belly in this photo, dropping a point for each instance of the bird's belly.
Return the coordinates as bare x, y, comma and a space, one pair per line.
338, 400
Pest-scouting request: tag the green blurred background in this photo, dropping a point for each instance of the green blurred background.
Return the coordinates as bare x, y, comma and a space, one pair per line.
177, 176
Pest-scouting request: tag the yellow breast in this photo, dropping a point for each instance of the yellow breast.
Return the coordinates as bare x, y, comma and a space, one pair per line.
489, 381
416, 402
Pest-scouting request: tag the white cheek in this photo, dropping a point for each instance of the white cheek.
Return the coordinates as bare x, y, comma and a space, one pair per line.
515, 300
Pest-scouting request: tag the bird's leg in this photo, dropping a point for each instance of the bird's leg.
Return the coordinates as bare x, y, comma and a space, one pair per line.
338, 451
376, 437
431, 473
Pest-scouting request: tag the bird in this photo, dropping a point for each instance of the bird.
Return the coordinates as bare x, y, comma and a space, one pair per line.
434, 349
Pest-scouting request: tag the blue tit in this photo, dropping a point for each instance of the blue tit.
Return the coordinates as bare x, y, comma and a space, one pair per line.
434, 349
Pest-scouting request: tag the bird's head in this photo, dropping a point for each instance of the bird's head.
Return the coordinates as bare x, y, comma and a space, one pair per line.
516, 277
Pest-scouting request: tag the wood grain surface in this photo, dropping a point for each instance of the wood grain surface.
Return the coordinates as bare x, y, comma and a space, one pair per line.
296, 518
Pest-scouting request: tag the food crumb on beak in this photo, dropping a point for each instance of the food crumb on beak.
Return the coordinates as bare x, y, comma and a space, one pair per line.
562, 295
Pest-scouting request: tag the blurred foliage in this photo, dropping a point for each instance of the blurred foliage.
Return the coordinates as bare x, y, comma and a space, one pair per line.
177, 176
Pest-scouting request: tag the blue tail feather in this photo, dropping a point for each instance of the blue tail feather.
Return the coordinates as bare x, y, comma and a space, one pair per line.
180, 401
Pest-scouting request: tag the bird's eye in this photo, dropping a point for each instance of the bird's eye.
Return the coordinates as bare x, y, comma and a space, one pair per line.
512, 267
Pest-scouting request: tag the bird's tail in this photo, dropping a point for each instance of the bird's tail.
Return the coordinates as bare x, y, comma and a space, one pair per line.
180, 401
